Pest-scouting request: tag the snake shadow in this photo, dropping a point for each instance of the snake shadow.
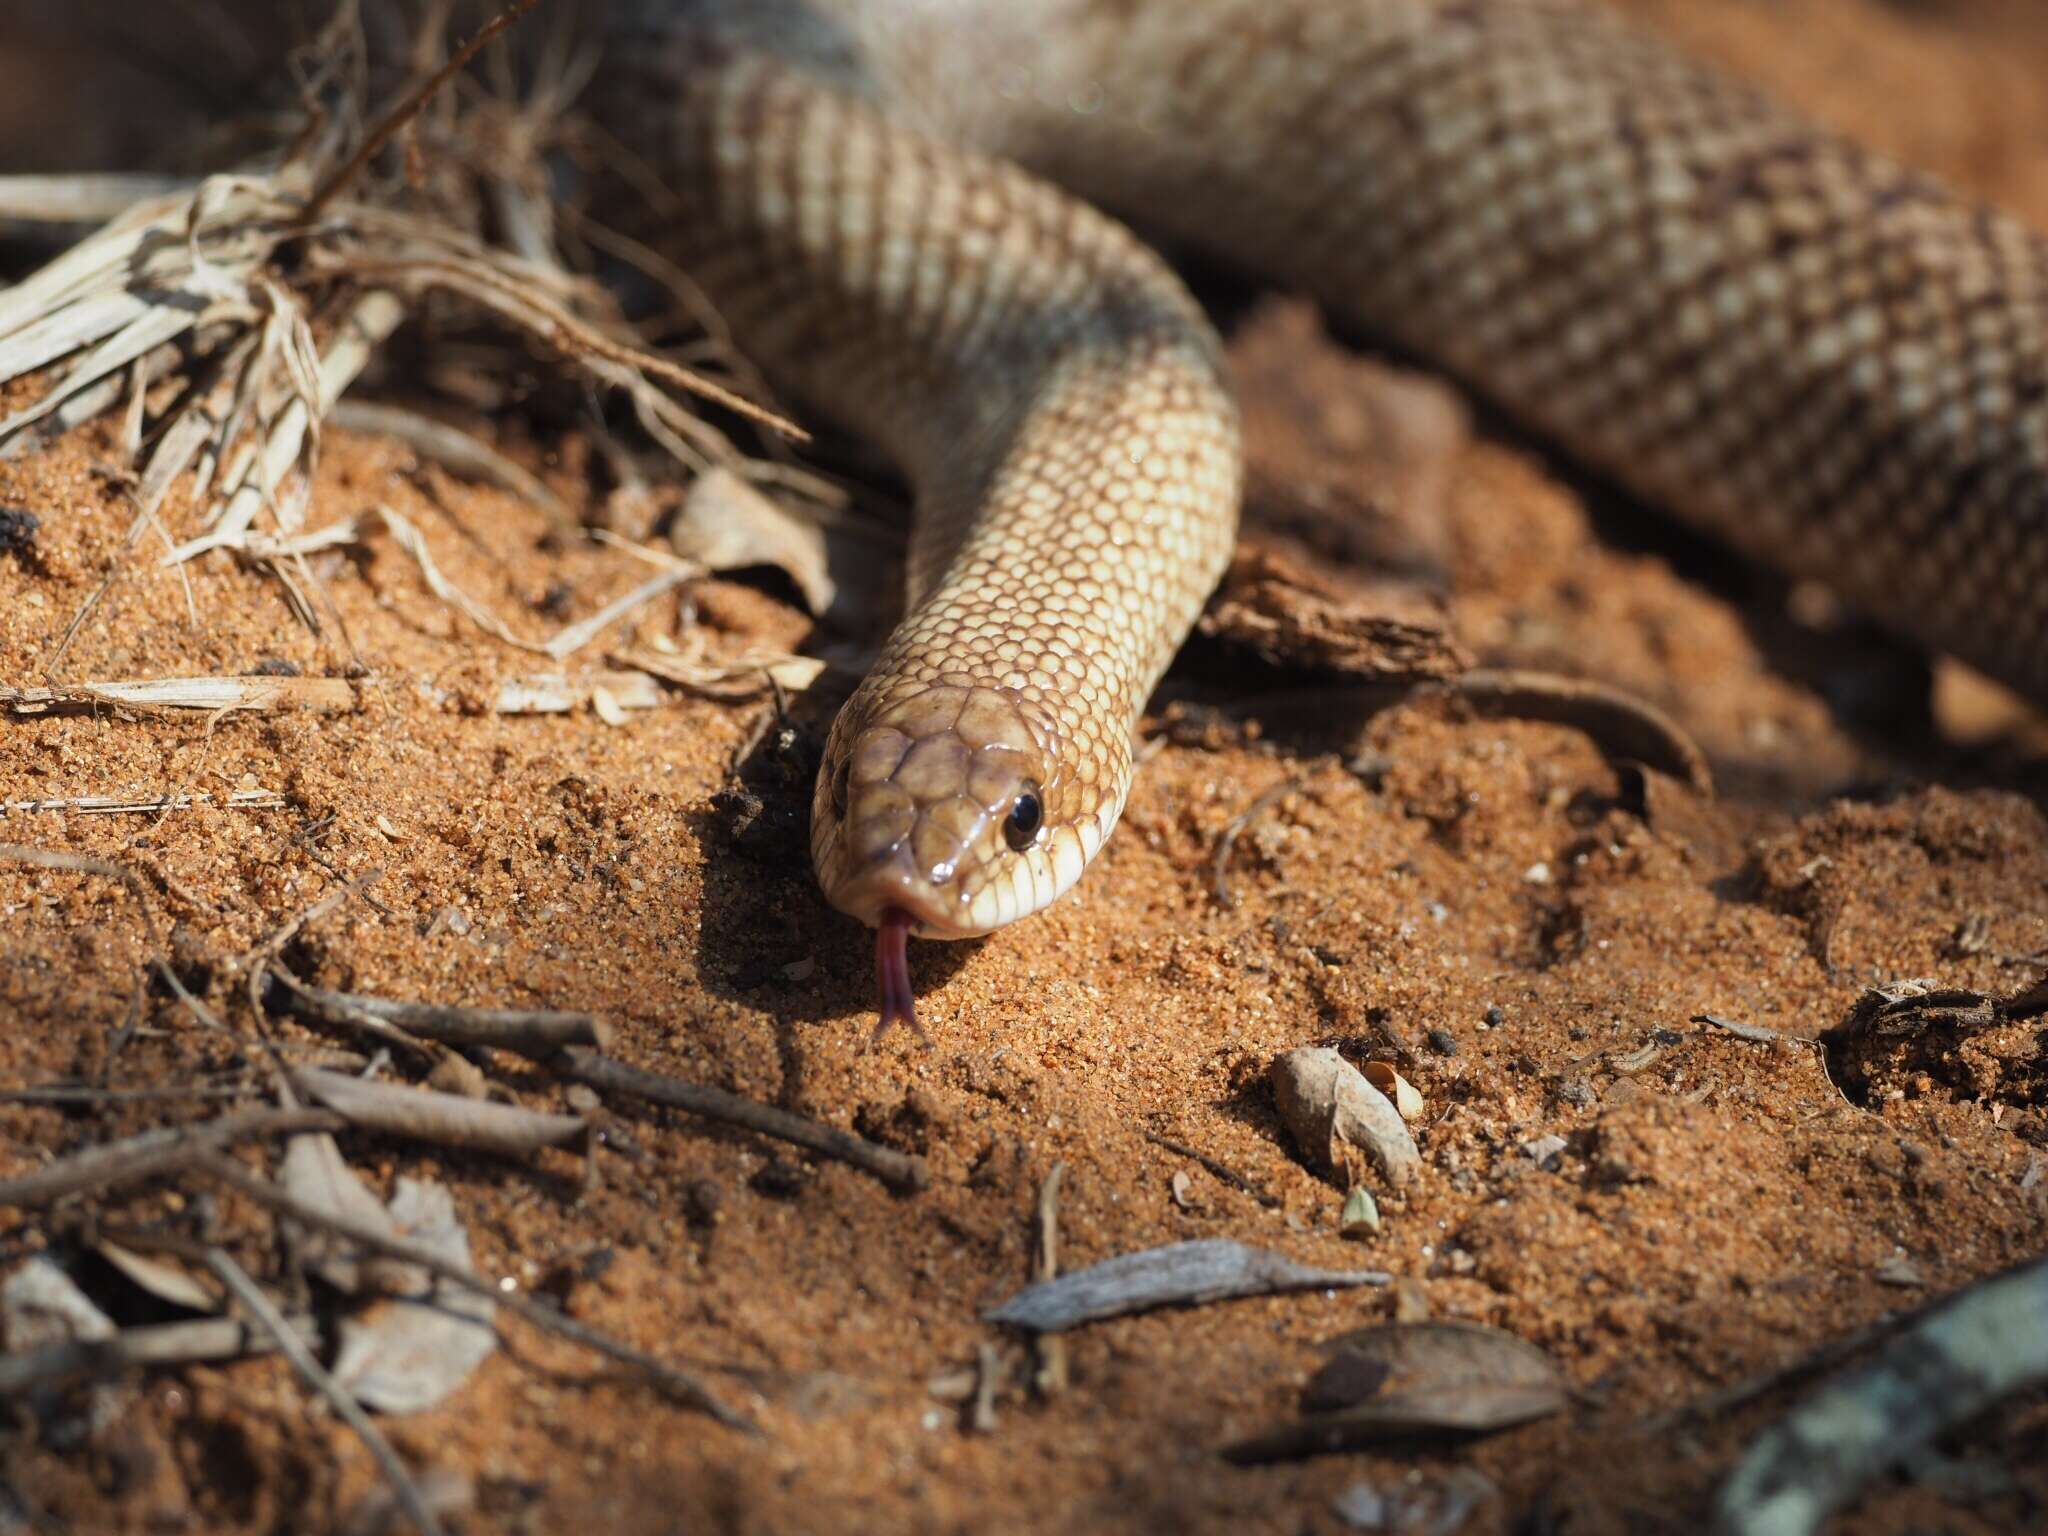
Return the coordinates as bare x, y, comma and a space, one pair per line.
767, 940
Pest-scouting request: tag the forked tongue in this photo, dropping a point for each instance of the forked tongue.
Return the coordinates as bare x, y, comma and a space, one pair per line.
892, 970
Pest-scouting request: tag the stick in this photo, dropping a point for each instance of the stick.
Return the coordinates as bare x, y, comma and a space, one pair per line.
346, 1408
160, 1151
1981, 1345
676, 1383
409, 108
1221, 1170
1219, 862
537, 1032
338, 1009
1050, 1348
207, 1338
899, 1170
446, 1119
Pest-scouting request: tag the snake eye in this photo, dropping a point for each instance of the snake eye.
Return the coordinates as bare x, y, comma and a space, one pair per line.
1020, 828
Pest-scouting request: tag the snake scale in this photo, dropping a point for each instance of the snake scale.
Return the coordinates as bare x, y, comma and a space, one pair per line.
1822, 358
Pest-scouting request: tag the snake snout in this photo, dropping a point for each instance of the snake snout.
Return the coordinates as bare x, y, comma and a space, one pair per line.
917, 810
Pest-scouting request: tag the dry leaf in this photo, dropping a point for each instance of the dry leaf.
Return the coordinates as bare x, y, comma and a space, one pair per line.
1333, 1112
726, 524
406, 1354
163, 1279
1210, 1269
445, 1118
1407, 1379
1407, 1099
1361, 1215
316, 1174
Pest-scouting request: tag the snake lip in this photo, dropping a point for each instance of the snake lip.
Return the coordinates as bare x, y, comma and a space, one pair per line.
894, 889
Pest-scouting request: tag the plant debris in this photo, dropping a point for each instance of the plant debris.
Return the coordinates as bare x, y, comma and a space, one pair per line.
1916, 1036
1335, 1115
1399, 1380
1986, 1343
1180, 1274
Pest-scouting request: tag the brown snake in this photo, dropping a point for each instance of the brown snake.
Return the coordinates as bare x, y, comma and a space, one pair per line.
1824, 359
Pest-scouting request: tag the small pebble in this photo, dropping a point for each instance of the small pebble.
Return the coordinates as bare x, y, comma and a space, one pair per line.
1495, 1016
1363, 1507
18, 528
1443, 1042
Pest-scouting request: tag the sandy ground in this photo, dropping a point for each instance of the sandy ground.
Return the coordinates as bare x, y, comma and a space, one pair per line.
1496, 893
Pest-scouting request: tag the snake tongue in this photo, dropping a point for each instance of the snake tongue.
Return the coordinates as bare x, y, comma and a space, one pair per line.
892, 970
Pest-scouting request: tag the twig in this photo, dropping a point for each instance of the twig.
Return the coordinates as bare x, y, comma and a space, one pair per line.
82, 1093
256, 963
336, 1008
537, 1032
898, 1170
1051, 1348
676, 1383
1977, 1347
214, 695
1219, 861
988, 1376
206, 1338
409, 108
1221, 1170
1752, 1032
1622, 725
575, 636
446, 1119
154, 805
154, 1152
346, 1408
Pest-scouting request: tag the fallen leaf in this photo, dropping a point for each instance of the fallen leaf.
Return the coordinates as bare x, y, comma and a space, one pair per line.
316, 1174
726, 524
406, 1354
1209, 1269
1407, 1099
40, 1304
163, 1279
1331, 1109
1408, 1379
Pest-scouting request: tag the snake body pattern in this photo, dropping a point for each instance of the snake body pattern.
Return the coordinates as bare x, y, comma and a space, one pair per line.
1822, 358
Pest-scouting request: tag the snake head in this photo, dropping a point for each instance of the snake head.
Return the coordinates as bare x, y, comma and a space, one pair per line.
946, 811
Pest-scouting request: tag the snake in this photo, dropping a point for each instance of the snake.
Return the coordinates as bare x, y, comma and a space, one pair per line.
919, 217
